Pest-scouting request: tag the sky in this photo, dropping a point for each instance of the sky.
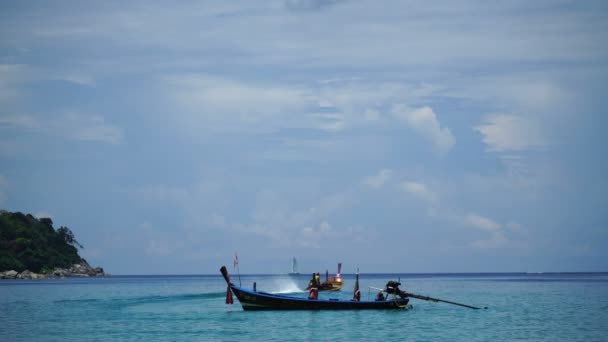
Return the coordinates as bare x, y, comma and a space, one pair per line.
391, 136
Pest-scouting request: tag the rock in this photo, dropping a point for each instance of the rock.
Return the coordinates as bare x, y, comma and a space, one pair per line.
27, 274
79, 269
24, 275
82, 269
38, 276
59, 273
8, 274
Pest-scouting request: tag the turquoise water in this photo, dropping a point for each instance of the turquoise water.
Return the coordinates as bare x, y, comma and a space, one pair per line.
531, 307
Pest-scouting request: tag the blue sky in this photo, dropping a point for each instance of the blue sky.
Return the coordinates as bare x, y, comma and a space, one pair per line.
393, 136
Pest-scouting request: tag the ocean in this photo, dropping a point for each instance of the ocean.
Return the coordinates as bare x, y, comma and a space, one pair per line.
521, 306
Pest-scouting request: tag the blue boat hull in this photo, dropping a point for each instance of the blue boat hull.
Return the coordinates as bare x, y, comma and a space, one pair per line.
253, 300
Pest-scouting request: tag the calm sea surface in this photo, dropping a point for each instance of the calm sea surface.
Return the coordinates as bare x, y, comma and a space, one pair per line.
531, 307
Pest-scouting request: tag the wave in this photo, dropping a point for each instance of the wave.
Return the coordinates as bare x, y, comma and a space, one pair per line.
144, 299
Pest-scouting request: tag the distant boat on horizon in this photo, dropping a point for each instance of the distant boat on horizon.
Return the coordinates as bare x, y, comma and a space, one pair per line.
294, 267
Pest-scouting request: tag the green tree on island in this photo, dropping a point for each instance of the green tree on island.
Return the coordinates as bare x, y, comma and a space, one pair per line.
33, 244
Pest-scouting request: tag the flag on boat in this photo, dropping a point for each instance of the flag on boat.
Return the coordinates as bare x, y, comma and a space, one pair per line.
236, 260
229, 299
356, 292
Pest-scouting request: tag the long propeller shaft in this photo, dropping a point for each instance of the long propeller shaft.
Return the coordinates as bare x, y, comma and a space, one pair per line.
417, 296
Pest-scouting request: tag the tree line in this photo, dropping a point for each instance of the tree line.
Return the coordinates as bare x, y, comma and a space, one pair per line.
28, 243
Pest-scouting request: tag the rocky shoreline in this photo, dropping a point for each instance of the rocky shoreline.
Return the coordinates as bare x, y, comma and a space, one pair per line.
82, 269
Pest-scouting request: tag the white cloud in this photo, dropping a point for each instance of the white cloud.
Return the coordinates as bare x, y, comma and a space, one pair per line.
155, 248
425, 122
359, 97
514, 226
77, 78
11, 76
290, 149
360, 102
88, 127
525, 91
422, 33
497, 239
159, 242
212, 102
43, 213
331, 203
504, 132
380, 179
536, 95
339, 80
311, 237
163, 193
330, 122
496, 231
419, 190
76, 126
309, 4
277, 221
481, 222
371, 115
14, 76
23, 121
207, 102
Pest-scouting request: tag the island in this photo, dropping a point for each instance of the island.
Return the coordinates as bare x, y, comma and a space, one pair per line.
31, 248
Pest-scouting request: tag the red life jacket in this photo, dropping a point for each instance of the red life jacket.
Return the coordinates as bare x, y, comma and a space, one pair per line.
313, 294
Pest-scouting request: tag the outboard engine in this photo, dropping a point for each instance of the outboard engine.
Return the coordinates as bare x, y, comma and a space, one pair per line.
392, 287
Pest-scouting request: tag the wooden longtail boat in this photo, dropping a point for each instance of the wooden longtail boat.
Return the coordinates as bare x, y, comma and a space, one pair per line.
254, 300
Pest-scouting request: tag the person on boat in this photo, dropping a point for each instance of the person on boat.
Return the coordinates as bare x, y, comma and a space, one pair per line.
380, 296
312, 281
318, 279
357, 296
314, 293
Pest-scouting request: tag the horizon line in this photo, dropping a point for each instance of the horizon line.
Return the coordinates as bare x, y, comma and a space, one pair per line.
370, 273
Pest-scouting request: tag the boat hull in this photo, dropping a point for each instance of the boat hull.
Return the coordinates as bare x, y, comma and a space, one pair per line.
252, 300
